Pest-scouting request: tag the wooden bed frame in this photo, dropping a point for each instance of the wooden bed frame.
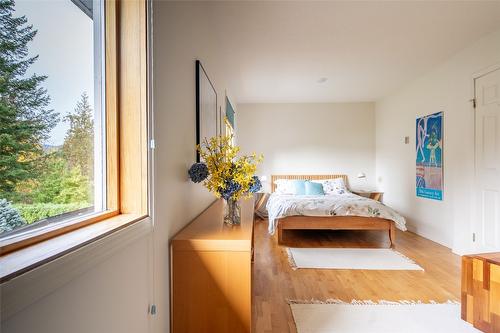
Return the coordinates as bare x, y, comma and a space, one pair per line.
330, 222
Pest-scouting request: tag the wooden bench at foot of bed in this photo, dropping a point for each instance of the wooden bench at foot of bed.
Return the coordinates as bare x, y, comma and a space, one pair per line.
336, 223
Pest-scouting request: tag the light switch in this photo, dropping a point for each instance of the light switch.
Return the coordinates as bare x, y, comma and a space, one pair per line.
407, 140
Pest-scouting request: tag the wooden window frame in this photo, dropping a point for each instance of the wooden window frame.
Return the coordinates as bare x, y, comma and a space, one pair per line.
126, 130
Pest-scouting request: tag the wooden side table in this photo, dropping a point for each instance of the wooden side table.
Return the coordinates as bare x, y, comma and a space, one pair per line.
374, 195
260, 200
481, 291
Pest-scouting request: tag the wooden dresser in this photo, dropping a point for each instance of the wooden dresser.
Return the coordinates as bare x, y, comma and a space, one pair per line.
211, 273
481, 291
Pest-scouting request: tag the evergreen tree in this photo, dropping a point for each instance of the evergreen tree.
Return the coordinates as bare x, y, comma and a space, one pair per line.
78, 147
75, 188
9, 217
49, 183
25, 120
60, 184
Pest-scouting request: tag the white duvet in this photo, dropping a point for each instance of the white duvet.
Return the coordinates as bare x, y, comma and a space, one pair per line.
348, 204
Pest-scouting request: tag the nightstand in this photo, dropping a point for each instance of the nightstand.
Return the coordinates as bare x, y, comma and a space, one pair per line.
374, 195
260, 203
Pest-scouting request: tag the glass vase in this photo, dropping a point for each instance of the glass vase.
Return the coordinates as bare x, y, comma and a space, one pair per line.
232, 212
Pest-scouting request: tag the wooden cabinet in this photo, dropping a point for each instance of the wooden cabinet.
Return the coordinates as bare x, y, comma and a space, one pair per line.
481, 291
211, 273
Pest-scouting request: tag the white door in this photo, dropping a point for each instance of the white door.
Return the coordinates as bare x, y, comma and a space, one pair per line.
487, 221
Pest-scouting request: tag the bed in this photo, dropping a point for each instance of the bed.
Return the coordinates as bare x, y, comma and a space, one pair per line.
345, 211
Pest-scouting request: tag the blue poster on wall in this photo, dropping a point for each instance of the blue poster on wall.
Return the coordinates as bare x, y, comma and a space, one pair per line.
429, 142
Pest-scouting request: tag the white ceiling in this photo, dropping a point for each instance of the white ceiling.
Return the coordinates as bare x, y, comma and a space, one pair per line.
277, 51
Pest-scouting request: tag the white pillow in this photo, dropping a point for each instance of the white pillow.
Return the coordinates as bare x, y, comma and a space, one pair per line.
284, 186
333, 186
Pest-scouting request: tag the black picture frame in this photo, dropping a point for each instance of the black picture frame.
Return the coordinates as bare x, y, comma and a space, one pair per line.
207, 117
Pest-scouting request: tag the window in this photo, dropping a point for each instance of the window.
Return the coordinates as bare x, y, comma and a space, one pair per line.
52, 109
99, 47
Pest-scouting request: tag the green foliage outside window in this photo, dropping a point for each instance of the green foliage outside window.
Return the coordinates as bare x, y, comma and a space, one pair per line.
39, 211
25, 120
78, 147
37, 182
9, 217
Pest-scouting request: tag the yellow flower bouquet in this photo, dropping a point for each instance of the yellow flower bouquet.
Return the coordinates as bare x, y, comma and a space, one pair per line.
226, 174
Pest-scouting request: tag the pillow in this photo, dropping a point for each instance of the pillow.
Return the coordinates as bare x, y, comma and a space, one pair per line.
284, 186
299, 187
334, 186
313, 188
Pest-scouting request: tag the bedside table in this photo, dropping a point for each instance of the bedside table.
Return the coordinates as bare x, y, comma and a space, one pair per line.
374, 195
260, 203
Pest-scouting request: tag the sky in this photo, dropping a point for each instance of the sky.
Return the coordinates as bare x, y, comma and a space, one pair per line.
64, 43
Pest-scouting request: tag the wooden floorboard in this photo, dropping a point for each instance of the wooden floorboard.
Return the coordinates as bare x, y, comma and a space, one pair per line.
274, 282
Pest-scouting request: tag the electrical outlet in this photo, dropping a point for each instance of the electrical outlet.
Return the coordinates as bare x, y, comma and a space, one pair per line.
407, 140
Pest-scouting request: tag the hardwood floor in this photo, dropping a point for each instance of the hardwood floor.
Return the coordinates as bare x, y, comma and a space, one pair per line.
274, 282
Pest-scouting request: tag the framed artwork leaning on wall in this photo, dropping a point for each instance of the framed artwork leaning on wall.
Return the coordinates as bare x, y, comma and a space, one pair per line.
206, 107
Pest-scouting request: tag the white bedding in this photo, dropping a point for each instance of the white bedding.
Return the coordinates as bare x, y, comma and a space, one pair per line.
348, 204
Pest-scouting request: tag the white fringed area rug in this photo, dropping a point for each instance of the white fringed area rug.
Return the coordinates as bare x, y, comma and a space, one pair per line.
345, 258
384, 317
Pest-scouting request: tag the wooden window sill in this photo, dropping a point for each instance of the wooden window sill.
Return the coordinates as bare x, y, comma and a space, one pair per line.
26, 259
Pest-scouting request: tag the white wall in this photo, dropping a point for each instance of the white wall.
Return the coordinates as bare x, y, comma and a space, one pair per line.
311, 138
448, 88
111, 297
182, 33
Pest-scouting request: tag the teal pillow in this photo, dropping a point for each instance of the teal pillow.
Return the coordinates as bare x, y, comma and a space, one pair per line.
313, 188
300, 187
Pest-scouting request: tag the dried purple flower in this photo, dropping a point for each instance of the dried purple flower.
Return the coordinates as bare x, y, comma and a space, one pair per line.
198, 172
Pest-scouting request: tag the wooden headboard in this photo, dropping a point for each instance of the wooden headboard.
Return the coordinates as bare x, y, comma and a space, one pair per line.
305, 177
